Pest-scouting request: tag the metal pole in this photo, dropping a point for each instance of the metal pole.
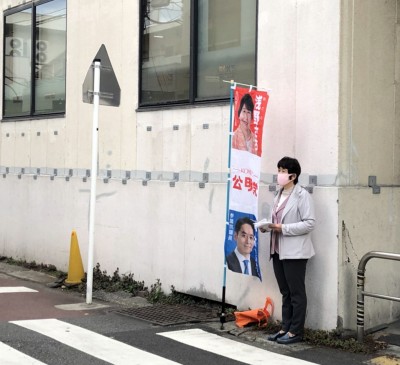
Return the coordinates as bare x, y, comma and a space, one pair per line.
222, 318
360, 304
93, 176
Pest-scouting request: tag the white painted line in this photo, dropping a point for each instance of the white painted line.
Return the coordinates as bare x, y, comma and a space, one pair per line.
92, 343
16, 289
229, 348
81, 306
11, 356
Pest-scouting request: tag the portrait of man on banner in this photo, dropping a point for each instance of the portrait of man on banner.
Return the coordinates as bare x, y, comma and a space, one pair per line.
241, 249
249, 114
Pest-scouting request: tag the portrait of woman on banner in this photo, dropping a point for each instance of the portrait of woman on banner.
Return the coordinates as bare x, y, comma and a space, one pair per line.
244, 138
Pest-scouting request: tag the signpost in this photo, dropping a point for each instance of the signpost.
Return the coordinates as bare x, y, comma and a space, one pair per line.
100, 87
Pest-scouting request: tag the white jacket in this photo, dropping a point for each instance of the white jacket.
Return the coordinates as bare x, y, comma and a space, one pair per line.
298, 219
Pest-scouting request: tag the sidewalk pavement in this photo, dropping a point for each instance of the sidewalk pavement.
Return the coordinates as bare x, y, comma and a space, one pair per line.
389, 334
388, 356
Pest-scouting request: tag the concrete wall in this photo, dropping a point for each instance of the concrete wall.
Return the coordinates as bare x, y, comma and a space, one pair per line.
369, 227
157, 232
369, 122
300, 64
369, 132
307, 58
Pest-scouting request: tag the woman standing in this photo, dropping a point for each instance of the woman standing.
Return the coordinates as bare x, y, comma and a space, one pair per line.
292, 220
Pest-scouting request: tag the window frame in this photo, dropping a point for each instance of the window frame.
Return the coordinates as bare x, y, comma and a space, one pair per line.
32, 114
193, 100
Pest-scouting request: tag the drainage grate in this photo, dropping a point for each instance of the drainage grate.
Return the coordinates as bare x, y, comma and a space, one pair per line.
166, 315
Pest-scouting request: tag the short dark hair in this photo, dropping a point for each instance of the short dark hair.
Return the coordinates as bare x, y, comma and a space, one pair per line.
248, 101
241, 221
292, 165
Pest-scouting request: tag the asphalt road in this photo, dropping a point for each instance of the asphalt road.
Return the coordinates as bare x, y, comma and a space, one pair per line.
40, 325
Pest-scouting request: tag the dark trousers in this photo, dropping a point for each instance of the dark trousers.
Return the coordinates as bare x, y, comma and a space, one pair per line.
290, 275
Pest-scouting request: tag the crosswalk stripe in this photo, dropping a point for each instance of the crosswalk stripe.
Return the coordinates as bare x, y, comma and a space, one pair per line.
92, 343
229, 348
16, 289
10, 356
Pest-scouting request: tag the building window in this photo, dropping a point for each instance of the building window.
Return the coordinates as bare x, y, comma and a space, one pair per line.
34, 59
190, 47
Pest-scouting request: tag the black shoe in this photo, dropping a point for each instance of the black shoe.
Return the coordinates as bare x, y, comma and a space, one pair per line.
286, 339
275, 336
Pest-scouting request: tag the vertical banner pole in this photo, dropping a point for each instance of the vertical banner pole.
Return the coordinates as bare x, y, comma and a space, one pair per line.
93, 176
228, 187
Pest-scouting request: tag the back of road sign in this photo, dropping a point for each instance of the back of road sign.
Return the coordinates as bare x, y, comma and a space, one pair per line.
110, 92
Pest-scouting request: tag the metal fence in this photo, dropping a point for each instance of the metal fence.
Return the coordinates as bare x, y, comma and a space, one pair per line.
360, 287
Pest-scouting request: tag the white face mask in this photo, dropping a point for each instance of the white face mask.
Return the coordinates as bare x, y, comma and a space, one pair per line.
283, 178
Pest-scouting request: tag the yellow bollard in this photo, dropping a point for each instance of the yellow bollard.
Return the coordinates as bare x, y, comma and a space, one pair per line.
75, 268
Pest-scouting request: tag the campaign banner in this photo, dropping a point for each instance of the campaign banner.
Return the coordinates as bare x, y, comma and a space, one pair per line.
241, 242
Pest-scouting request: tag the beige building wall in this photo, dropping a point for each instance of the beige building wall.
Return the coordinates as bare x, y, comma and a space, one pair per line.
369, 146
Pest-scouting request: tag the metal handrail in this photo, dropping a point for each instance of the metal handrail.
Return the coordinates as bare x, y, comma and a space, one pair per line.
360, 287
